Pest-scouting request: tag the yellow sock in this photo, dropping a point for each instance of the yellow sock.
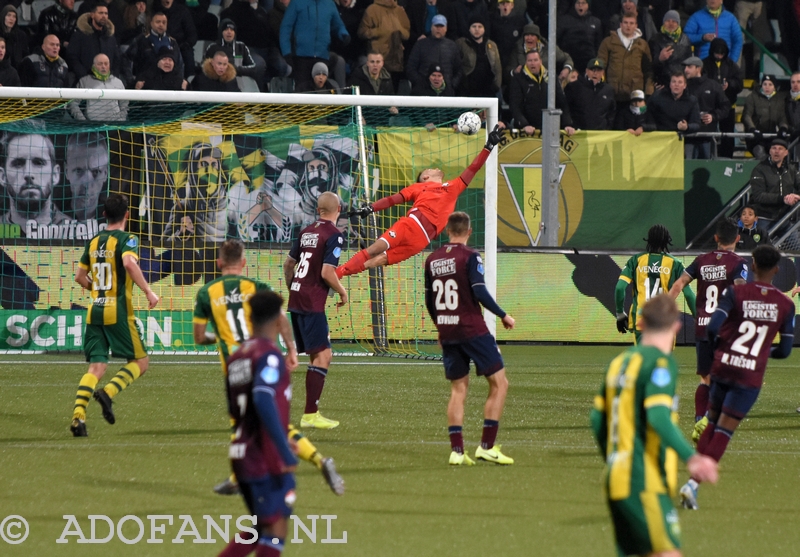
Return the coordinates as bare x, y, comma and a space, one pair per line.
85, 390
129, 373
305, 448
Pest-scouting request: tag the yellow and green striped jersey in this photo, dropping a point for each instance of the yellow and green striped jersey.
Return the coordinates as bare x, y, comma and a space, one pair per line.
649, 275
222, 302
640, 378
112, 287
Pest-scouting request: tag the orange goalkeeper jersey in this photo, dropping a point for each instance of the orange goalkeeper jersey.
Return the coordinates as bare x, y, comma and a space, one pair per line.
434, 201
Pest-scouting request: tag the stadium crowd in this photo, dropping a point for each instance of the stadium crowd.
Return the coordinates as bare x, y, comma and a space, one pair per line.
670, 65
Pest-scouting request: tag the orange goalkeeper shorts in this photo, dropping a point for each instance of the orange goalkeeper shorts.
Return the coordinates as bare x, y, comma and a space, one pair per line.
406, 239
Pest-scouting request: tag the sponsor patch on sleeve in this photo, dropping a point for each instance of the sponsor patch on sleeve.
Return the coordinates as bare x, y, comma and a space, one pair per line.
132, 242
661, 377
337, 252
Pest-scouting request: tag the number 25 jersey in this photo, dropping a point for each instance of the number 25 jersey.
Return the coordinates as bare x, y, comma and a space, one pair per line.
318, 244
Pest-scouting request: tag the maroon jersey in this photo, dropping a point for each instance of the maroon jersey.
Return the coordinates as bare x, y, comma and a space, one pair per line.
755, 313
256, 365
318, 244
450, 274
714, 272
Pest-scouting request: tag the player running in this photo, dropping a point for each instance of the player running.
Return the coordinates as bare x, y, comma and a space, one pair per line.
714, 271
742, 328
649, 274
433, 199
454, 293
222, 302
632, 420
259, 391
108, 269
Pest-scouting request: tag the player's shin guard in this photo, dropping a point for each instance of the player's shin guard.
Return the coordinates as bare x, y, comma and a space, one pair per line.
701, 401
489, 435
354, 266
315, 382
85, 389
456, 438
269, 547
305, 448
129, 373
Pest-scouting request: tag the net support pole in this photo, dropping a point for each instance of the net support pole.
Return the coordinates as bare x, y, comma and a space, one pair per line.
377, 285
551, 135
490, 222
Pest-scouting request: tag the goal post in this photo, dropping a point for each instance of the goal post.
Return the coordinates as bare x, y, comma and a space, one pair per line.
201, 167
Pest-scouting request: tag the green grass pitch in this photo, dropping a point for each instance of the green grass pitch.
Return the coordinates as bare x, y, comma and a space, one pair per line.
169, 448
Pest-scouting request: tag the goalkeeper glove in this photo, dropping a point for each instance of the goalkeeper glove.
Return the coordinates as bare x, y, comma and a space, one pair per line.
622, 323
362, 212
495, 137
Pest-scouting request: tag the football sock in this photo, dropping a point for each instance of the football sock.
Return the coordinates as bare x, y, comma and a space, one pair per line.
315, 381
701, 401
694, 484
85, 389
456, 438
705, 439
354, 265
129, 373
490, 428
305, 448
716, 447
269, 546
234, 549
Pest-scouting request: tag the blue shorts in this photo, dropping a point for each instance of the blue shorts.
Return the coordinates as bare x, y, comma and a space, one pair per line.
269, 498
705, 357
733, 400
482, 350
310, 332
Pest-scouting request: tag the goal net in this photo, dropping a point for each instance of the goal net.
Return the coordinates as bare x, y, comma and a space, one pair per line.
199, 168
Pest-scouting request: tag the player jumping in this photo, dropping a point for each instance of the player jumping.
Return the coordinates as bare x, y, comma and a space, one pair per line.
742, 328
434, 200
714, 271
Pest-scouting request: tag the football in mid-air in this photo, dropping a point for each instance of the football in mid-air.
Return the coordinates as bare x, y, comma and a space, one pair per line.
469, 123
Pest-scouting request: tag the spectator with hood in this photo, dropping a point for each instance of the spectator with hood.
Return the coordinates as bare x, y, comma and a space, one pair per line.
16, 39
165, 76
719, 67
579, 34
669, 48
238, 53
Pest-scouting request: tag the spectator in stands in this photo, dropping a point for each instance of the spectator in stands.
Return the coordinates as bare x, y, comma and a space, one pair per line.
711, 22
669, 49
205, 23
319, 81
528, 96
114, 11
644, 21
16, 38
532, 40
775, 185
385, 26
268, 46
764, 112
100, 110
306, 32
675, 110
719, 67
59, 20
465, 10
711, 101
373, 78
579, 34
793, 105
591, 99
45, 68
635, 118
238, 53
353, 53
95, 35
751, 232
421, 14
628, 61
180, 26
165, 76
435, 86
135, 21
436, 50
480, 63
217, 73
505, 29
8, 75
143, 51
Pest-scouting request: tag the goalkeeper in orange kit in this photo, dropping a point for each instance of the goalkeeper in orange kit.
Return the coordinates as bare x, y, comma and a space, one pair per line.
434, 200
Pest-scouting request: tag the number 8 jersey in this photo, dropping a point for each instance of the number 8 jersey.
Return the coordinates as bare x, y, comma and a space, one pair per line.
714, 272
112, 288
755, 313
